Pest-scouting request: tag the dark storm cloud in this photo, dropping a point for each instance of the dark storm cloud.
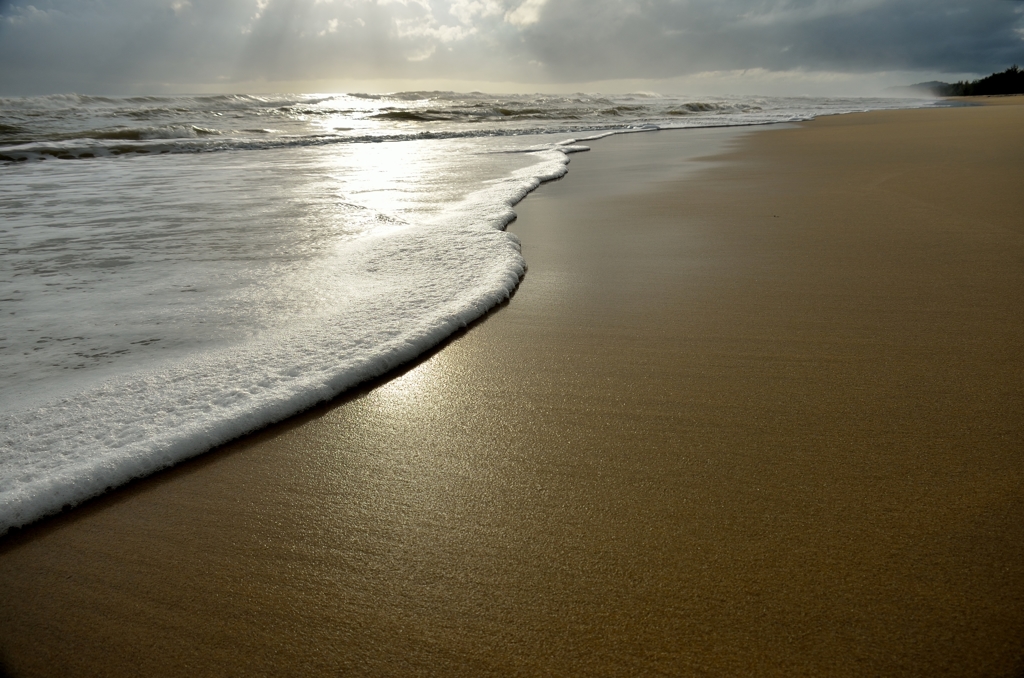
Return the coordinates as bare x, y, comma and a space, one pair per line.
98, 45
666, 38
114, 45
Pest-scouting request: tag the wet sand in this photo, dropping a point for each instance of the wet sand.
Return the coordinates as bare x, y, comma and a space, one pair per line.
756, 414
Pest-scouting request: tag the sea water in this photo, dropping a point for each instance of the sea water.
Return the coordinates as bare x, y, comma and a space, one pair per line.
178, 271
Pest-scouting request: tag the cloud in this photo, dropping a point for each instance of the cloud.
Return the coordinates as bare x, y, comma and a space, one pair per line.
25, 16
672, 38
466, 11
525, 14
140, 45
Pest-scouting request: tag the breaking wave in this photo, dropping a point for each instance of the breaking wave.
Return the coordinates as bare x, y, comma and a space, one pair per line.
74, 126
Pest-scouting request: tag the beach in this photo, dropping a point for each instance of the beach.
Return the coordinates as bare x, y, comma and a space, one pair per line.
755, 408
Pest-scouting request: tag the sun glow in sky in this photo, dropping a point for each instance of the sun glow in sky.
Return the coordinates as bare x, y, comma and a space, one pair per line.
786, 46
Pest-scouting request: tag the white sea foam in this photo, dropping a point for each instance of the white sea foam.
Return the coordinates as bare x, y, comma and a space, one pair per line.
406, 290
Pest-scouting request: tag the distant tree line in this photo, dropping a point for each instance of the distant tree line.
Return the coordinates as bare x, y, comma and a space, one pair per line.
1010, 81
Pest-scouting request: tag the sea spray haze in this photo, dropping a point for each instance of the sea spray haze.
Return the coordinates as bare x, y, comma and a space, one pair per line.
177, 271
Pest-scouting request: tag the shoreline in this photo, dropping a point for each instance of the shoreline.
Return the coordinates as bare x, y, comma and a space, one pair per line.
733, 441
97, 472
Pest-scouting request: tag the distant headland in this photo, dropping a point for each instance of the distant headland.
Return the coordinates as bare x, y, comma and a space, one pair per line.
1010, 81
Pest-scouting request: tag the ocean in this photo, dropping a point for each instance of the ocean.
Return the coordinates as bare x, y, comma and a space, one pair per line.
176, 271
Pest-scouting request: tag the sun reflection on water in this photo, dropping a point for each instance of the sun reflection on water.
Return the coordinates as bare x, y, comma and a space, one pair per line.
417, 393
380, 187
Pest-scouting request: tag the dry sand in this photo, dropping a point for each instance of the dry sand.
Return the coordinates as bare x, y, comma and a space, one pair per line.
764, 418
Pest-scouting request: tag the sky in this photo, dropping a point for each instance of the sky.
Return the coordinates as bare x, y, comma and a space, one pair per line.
678, 46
